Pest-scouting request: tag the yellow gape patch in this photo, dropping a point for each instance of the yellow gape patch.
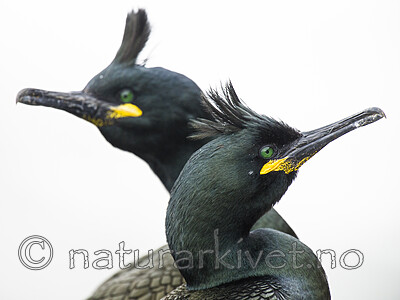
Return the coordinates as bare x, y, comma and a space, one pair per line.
96, 121
115, 112
283, 164
124, 111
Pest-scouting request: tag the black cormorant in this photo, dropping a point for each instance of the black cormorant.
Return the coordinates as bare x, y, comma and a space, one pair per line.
225, 187
144, 111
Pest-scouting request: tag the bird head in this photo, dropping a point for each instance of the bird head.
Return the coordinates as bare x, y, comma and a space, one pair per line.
258, 155
138, 109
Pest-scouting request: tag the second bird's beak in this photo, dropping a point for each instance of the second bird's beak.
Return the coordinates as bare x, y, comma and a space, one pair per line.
310, 142
80, 104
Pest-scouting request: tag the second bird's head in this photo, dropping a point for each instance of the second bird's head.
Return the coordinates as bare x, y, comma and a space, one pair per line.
137, 109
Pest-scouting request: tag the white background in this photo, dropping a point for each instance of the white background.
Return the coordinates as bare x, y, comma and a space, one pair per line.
308, 63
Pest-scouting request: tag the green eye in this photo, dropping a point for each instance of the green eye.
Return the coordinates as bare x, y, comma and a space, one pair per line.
126, 95
266, 152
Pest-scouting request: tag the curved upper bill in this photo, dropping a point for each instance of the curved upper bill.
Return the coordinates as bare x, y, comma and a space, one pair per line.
81, 105
310, 142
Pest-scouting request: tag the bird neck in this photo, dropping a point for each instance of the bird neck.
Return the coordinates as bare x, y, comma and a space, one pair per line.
216, 247
168, 166
213, 247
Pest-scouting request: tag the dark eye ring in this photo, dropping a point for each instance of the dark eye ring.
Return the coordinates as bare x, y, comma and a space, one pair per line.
126, 95
267, 152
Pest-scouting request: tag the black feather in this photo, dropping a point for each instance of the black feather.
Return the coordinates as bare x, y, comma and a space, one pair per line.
231, 114
137, 32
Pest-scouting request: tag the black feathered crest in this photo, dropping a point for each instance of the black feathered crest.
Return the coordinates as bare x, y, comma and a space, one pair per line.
137, 32
231, 114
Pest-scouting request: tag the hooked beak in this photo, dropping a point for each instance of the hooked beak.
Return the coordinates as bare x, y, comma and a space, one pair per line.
80, 104
313, 141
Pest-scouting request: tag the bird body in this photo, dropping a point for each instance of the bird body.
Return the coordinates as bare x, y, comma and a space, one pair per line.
143, 283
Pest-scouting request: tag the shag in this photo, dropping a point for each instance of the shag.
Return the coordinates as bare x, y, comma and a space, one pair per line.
144, 111
234, 179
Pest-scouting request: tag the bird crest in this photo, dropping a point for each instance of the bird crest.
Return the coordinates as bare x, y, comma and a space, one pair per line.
231, 114
136, 34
